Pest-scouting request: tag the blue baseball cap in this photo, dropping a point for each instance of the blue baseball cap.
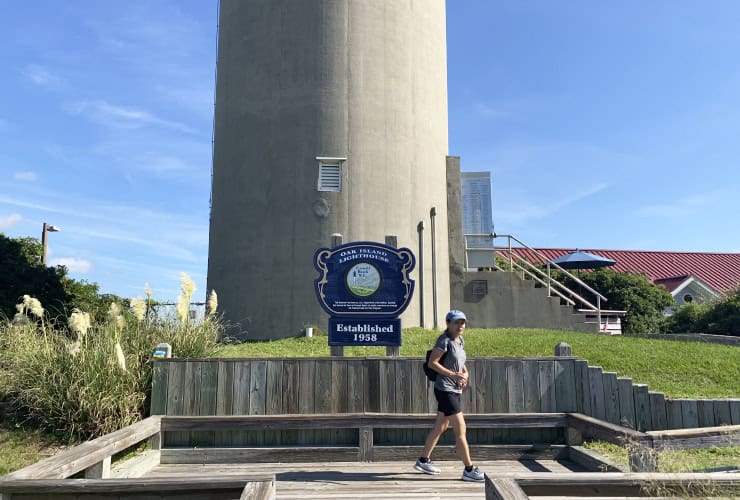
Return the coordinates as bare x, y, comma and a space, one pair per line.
455, 315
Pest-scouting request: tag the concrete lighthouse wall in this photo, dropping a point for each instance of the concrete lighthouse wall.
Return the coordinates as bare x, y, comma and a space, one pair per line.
363, 80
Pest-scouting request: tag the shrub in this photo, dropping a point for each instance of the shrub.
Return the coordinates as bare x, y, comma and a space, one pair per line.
723, 317
97, 381
687, 318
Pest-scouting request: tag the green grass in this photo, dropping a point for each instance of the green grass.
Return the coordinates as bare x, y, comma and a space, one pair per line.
673, 460
21, 447
678, 369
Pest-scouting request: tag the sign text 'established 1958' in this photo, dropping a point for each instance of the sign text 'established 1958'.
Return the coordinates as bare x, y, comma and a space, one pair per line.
364, 287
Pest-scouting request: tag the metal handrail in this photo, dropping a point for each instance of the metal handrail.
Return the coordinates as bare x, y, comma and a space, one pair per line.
551, 282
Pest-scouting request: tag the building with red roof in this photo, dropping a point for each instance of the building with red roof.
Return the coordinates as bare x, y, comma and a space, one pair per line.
689, 276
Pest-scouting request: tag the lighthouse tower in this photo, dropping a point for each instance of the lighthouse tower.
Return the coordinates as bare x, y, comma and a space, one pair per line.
331, 117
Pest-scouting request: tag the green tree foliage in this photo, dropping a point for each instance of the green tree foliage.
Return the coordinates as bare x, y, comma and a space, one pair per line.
636, 294
723, 317
21, 273
720, 317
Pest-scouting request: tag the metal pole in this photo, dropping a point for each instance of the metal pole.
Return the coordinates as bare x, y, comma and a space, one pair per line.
420, 230
433, 215
511, 259
598, 310
336, 350
549, 282
43, 245
393, 351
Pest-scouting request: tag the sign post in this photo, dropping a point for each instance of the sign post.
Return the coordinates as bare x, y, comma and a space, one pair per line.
364, 287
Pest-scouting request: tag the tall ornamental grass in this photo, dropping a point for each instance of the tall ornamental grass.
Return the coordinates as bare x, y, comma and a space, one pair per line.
94, 377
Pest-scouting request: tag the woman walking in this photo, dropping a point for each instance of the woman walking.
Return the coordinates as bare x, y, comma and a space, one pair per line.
448, 360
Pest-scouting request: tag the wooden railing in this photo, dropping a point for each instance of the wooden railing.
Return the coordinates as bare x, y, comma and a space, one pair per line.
256, 487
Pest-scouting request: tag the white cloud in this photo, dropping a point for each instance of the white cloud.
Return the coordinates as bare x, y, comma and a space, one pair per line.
528, 211
109, 115
41, 76
74, 265
26, 176
9, 221
681, 207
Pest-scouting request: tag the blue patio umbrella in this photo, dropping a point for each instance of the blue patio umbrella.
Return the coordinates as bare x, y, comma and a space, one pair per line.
579, 259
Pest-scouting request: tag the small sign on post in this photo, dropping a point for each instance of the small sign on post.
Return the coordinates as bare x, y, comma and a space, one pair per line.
163, 350
364, 287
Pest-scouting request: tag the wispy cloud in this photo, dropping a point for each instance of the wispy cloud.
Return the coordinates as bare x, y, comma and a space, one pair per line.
41, 76
26, 176
9, 221
485, 110
113, 116
517, 215
685, 206
80, 266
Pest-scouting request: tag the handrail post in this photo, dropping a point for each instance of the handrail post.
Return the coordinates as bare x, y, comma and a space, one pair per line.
549, 281
511, 260
432, 216
598, 311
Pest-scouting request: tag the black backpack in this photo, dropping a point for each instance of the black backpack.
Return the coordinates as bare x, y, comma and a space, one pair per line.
431, 374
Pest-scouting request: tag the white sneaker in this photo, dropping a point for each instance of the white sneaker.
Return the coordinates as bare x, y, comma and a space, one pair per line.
426, 467
474, 475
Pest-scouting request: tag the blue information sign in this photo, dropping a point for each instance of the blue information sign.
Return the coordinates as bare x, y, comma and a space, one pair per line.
367, 286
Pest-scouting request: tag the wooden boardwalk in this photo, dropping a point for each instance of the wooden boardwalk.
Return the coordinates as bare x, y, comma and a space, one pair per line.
352, 480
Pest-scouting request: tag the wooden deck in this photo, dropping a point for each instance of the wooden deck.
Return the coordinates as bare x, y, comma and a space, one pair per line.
352, 480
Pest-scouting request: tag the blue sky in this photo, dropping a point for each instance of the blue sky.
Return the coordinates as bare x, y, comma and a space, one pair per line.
604, 125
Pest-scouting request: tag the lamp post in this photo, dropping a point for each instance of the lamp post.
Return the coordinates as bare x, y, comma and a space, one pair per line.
48, 228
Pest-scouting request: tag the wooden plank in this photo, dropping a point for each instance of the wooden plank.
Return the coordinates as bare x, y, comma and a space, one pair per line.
89, 453
258, 395
240, 403
658, 414
582, 368
258, 490
290, 396
689, 413
207, 403
499, 387
515, 386
592, 461
596, 389
674, 414
126, 486
274, 398
546, 382
565, 389
626, 403
467, 398
356, 420
704, 437
503, 489
175, 404
160, 370
419, 398
480, 452
642, 407
531, 384
372, 403
306, 395
100, 470
705, 412
611, 397
735, 411
594, 428
224, 399
191, 394
258, 455
365, 444
722, 414
356, 384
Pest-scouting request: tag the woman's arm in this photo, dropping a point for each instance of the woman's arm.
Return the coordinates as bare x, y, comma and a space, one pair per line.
434, 364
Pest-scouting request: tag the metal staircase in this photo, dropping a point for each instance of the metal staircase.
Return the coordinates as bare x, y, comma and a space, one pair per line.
478, 255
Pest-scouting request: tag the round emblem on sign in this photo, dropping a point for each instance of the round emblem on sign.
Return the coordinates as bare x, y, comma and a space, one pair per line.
363, 279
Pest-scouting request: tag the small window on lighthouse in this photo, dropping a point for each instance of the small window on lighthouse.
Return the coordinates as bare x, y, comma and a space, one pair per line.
330, 174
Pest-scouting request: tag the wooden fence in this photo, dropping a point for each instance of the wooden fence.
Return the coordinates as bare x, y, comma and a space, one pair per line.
398, 385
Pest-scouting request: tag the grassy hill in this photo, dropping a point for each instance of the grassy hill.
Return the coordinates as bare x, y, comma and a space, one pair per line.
678, 369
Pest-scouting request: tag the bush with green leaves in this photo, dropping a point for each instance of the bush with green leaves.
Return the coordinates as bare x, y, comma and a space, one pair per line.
687, 318
95, 378
718, 317
636, 294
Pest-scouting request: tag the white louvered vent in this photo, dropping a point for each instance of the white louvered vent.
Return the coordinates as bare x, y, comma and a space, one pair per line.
330, 177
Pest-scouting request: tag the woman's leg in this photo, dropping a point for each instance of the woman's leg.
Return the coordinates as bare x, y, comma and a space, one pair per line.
440, 425
461, 440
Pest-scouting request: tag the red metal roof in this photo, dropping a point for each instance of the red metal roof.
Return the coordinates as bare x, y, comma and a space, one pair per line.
721, 271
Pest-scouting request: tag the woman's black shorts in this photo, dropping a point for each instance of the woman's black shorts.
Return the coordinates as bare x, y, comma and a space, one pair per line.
448, 402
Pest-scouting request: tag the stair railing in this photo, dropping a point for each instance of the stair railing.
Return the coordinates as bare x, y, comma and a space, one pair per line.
527, 268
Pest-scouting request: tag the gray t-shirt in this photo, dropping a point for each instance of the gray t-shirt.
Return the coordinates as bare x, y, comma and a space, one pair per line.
454, 360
